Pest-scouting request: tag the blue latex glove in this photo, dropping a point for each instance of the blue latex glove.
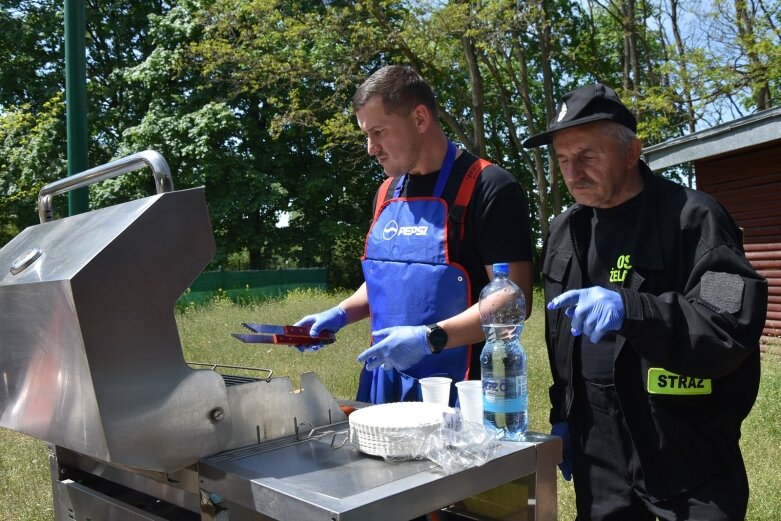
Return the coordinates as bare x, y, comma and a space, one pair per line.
331, 320
561, 430
398, 347
594, 311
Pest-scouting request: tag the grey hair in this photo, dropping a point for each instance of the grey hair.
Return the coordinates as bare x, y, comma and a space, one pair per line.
621, 134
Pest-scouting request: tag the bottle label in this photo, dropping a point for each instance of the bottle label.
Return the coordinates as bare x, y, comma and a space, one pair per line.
505, 406
506, 395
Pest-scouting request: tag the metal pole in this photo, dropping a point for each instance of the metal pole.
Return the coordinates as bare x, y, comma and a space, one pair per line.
76, 100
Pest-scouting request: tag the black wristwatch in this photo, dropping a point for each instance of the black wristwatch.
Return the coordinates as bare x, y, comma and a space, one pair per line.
437, 338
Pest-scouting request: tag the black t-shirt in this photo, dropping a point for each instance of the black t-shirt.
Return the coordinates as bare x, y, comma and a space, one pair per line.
496, 224
609, 261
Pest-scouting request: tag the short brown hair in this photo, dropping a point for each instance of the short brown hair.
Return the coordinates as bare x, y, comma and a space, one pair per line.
400, 88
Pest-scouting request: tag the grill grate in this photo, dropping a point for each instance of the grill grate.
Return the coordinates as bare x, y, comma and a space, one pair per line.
232, 379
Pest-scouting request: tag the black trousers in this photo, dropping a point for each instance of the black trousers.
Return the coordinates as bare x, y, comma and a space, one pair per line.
608, 477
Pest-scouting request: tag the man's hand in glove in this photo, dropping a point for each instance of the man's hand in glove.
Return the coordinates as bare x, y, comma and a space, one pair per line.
594, 311
331, 320
397, 348
561, 430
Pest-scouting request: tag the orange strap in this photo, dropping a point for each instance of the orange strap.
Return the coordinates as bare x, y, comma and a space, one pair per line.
464, 195
382, 193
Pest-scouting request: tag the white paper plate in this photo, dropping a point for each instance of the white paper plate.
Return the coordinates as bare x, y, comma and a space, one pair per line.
394, 429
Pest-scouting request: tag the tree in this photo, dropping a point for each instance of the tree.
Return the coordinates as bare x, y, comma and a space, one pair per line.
31, 50
281, 75
27, 157
747, 34
251, 99
31, 88
32, 130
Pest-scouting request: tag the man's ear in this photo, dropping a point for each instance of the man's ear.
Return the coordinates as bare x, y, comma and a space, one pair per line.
421, 116
634, 149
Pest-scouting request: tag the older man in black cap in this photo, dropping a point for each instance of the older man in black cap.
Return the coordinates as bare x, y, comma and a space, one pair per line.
653, 324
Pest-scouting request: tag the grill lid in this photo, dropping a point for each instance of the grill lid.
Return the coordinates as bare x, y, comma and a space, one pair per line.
90, 356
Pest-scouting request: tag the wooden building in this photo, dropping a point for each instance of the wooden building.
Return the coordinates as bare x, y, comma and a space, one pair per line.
739, 163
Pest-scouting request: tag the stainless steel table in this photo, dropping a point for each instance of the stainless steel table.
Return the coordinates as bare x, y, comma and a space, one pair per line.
315, 479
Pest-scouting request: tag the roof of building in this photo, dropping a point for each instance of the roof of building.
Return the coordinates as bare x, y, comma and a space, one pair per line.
757, 129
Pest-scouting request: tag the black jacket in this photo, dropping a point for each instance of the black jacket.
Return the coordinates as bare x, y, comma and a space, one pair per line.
693, 306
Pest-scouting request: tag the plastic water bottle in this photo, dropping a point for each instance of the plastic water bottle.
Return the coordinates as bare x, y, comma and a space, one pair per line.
503, 360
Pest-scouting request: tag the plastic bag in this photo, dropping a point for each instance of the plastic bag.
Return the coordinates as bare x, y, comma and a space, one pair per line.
459, 445
454, 445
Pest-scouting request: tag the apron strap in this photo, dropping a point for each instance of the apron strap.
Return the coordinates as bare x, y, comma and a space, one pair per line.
382, 194
465, 191
444, 172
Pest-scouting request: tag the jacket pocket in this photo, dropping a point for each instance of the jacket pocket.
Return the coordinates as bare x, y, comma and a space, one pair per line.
556, 272
555, 268
693, 429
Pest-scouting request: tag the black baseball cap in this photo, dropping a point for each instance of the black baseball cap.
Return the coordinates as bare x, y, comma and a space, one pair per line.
585, 105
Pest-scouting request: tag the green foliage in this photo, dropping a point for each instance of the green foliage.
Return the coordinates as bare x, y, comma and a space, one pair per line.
251, 99
252, 82
29, 159
32, 115
31, 48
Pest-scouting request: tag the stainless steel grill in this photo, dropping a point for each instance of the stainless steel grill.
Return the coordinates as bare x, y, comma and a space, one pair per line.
91, 363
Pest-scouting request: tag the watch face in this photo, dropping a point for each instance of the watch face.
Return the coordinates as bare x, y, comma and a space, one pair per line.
437, 338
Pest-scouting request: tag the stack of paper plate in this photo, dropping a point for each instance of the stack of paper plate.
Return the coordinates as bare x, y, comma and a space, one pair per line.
394, 430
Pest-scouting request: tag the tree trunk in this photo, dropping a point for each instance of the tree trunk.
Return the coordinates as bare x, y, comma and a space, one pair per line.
476, 80
536, 162
683, 69
550, 107
757, 70
634, 82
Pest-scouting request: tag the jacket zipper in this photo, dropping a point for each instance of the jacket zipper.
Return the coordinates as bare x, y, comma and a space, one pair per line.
578, 264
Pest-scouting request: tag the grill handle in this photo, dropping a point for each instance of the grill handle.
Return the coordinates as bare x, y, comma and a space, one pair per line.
163, 180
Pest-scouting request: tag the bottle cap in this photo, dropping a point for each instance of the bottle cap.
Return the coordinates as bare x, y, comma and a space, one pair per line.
501, 268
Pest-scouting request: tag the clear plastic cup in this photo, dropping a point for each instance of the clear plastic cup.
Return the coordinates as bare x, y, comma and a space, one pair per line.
436, 389
470, 399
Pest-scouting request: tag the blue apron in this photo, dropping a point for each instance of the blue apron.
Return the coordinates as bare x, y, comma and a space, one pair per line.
410, 281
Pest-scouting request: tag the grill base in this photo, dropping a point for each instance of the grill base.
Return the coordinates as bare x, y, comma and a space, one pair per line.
311, 479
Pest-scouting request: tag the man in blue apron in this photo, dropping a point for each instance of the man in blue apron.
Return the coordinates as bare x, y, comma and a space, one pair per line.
441, 219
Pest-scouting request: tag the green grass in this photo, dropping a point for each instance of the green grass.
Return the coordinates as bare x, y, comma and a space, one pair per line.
205, 334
